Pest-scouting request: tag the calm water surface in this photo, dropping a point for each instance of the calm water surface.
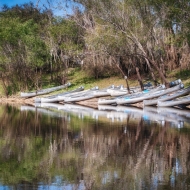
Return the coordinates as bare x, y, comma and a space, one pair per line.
68, 147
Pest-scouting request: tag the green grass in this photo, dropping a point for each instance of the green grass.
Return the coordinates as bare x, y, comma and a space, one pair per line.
78, 77
184, 75
2, 92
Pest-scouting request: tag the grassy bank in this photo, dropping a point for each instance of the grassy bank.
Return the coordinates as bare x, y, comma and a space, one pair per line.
78, 78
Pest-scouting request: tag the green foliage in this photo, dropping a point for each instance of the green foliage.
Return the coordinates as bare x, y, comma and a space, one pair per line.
34, 43
66, 34
183, 74
23, 49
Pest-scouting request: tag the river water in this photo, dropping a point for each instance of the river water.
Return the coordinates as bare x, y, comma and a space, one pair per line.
68, 147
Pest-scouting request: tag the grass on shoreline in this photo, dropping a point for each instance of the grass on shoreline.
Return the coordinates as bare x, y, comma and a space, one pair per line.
79, 78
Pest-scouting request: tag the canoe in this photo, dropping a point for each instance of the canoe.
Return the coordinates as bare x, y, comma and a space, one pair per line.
149, 95
113, 100
54, 98
78, 98
118, 92
86, 95
124, 91
107, 101
104, 91
75, 95
182, 101
81, 96
43, 91
170, 96
175, 82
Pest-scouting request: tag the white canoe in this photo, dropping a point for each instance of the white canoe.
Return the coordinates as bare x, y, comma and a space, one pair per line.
44, 91
79, 98
55, 98
183, 101
77, 94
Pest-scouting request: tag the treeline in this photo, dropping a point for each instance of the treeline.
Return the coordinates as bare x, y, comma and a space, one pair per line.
106, 38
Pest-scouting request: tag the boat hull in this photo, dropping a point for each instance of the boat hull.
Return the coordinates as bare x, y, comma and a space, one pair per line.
177, 102
45, 91
55, 98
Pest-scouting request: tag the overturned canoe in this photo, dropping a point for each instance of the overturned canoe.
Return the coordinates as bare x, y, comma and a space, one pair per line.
155, 94
107, 101
120, 92
79, 98
44, 91
104, 91
88, 94
73, 96
170, 96
55, 98
182, 101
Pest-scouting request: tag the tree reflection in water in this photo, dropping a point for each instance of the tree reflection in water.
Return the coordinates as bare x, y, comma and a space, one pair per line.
51, 148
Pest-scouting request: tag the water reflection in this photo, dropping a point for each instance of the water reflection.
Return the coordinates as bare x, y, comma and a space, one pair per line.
54, 146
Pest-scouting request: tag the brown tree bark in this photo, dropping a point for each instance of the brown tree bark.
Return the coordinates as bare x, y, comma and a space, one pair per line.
160, 73
139, 78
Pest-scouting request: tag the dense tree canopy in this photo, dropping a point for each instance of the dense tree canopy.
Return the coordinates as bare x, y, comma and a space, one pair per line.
108, 37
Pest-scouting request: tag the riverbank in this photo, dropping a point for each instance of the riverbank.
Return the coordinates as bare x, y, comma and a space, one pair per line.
79, 78
16, 100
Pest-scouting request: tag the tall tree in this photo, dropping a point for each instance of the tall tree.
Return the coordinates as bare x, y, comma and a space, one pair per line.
23, 51
124, 22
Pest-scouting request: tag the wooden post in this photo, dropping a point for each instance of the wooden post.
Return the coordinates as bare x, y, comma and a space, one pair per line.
125, 77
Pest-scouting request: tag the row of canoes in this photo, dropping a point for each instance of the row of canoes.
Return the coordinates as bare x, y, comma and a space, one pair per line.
80, 94
176, 95
76, 95
160, 96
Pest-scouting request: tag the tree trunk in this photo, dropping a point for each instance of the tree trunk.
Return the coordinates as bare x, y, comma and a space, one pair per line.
139, 78
125, 77
151, 72
163, 70
160, 73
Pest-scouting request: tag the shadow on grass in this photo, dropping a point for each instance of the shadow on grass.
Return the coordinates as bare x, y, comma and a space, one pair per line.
183, 74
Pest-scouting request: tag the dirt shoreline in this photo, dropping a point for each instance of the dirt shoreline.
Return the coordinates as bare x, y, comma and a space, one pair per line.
16, 100
93, 103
